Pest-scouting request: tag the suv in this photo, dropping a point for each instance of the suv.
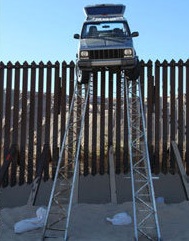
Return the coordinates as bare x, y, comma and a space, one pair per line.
106, 42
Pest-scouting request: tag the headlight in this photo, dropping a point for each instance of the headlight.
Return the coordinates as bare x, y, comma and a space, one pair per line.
128, 53
84, 54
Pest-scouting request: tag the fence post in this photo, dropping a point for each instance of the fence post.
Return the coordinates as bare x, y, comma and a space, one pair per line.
180, 108
150, 103
187, 118
85, 151
165, 120
16, 103
110, 110
94, 124
2, 68
40, 110
172, 116
8, 100
31, 123
118, 122
102, 123
157, 117
63, 98
23, 123
55, 116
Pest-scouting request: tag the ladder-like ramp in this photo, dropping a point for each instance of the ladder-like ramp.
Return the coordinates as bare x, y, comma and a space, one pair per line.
61, 198
146, 225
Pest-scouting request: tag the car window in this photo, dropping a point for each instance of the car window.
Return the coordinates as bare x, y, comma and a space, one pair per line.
105, 29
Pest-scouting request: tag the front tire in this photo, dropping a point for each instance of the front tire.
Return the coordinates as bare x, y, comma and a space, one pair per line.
83, 76
134, 73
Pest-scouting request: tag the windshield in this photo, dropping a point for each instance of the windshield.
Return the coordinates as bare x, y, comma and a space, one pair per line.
105, 29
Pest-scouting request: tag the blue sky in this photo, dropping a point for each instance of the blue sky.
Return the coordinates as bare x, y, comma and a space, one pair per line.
35, 30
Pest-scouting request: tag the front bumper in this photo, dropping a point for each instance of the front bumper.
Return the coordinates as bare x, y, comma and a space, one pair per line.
124, 63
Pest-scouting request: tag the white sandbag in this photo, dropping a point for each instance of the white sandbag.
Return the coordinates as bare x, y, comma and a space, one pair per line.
31, 223
120, 219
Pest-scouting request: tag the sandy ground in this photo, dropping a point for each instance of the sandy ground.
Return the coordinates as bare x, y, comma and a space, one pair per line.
88, 223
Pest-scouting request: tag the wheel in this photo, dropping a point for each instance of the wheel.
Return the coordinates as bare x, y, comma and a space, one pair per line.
134, 73
83, 76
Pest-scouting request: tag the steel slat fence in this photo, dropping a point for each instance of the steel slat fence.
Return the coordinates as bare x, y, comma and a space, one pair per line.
34, 104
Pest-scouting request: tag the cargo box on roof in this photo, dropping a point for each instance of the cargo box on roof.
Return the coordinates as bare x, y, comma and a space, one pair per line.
104, 10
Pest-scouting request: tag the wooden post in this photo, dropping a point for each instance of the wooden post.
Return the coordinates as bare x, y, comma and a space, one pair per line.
45, 155
181, 168
11, 156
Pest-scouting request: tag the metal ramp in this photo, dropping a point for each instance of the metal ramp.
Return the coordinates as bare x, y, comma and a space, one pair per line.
61, 198
146, 226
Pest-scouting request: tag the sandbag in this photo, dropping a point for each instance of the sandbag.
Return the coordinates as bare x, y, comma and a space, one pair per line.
120, 219
31, 223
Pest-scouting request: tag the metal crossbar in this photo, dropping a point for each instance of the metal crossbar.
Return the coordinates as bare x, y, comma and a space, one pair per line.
61, 198
146, 223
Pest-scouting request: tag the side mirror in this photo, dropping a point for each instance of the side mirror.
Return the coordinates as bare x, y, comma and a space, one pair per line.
135, 34
76, 36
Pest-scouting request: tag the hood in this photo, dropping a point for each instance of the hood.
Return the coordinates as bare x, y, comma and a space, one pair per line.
105, 43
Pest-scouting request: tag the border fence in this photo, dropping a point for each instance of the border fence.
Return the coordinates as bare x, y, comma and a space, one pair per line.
34, 104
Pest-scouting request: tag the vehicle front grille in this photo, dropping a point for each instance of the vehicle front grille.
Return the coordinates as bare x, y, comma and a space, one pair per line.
106, 54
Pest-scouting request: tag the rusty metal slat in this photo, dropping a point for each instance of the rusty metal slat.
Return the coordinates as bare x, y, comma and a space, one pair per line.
40, 111
23, 140
63, 103
165, 120
7, 117
102, 124
48, 104
150, 103
125, 148
16, 104
94, 125
142, 80
63, 98
173, 114
47, 140
55, 116
118, 122
71, 136
86, 142
110, 110
2, 70
31, 123
187, 118
180, 109
157, 117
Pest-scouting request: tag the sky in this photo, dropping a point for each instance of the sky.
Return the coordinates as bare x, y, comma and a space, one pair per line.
42, 30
